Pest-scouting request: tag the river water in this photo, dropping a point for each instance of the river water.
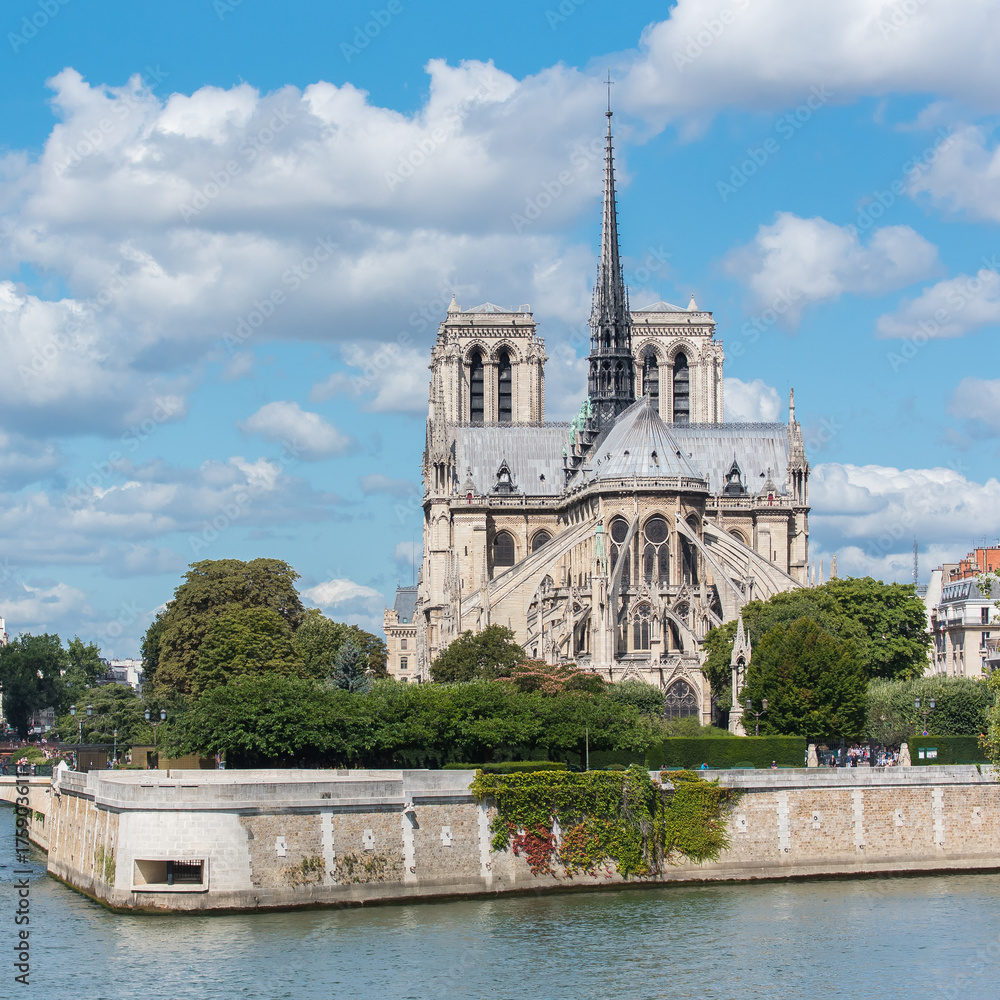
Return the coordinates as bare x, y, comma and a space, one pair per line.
928, 936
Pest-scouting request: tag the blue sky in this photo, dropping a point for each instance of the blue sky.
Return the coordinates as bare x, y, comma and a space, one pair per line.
228, 231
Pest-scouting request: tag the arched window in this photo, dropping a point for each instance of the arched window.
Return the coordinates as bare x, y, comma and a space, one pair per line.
651, 376
681, 701
682, 390
541, 537
476, 384
619, 532
641, 622
656, 553
505, 388
503, 549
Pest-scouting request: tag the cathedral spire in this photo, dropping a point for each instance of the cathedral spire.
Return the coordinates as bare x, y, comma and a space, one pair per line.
611, 384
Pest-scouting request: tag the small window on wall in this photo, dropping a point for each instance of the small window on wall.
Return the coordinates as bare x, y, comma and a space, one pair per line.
503, 549
539, 540
402, 663
402, 643
984, 616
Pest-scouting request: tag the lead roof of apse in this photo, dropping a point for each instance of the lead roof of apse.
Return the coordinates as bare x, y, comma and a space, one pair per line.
640, 444
759, 449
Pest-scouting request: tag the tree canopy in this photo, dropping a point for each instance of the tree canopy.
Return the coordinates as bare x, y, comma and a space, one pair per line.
30, 677
230, 617
885, 622
961, 708
478, 656
814, 683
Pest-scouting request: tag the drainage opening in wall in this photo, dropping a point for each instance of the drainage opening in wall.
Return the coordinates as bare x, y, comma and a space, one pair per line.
170, 875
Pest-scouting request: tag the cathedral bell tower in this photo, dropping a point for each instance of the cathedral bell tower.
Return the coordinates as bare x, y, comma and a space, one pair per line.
611, 382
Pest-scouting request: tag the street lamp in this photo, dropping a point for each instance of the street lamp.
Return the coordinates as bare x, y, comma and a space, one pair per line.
927, 709
155, 722
79, 729
756, 715
114, 755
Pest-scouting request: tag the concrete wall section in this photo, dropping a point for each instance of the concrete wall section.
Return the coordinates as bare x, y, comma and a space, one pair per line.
246, 840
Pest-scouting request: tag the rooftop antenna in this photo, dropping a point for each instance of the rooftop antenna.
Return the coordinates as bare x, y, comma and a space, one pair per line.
916, 570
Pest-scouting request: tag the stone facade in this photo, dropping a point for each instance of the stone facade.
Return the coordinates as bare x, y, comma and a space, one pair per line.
618, 540
265, 839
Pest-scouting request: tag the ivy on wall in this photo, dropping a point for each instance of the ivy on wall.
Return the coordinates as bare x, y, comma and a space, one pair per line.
599, 821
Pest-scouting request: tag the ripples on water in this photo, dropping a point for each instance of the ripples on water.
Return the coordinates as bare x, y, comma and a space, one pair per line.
883, 938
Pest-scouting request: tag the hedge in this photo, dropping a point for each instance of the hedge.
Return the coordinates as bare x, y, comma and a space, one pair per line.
509, 766
758, 751
950, 750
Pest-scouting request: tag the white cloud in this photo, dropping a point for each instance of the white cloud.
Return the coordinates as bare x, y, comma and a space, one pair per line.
408, 555
192, 228
25, 461
872, 513
306, 435
379, 483
950, 308
965, 176
796, 262
978, 401
767, 54
334, 593
398, 377
750, 401
28, 608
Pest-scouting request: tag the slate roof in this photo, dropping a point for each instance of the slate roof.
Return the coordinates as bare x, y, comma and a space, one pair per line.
756, 447
406, 603
530, 452
661, 307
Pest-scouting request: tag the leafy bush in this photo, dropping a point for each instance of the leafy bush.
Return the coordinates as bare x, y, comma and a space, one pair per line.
950, 750
962, 706
510, 766
756, 751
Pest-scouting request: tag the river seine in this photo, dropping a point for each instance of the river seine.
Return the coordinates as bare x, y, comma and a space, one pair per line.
928, 936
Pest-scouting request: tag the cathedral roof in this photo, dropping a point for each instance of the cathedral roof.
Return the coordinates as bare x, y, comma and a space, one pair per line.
406, 603
640, 444
761, 451
533, 455
661, 307
492, 307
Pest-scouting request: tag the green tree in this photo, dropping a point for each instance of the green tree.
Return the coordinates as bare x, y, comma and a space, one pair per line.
258, 720
317, 640
886, 623
83, 666
150, 647
116, 706
30, 677
483, 655
244, 641
814, 684
210, 589
350, 669
646, 698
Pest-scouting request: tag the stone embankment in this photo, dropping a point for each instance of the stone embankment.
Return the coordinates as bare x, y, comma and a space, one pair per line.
249, 840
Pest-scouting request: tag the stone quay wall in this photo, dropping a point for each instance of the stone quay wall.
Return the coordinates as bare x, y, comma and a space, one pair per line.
252, 840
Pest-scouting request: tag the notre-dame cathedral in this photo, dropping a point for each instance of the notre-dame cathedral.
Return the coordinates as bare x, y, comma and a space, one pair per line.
614, 541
